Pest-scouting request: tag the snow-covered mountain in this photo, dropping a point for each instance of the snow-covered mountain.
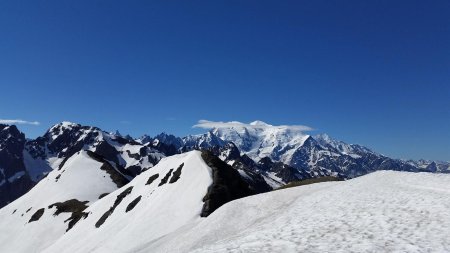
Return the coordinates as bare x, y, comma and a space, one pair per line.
65, 139
26, 162
317, 156
433, 166
85, 206
259, 140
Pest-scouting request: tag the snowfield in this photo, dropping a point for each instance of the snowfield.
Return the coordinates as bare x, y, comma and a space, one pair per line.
384, 211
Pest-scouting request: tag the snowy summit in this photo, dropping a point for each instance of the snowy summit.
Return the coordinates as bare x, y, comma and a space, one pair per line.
259, 139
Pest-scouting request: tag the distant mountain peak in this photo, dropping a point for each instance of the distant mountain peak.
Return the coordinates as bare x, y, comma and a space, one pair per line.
67, 124
257, 124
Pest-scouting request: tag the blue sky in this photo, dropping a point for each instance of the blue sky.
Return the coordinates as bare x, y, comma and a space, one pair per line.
375, 73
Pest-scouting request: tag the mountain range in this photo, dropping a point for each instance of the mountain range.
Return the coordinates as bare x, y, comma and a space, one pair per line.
266, 156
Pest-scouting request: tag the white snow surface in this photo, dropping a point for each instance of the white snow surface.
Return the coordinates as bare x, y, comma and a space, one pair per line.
384, 211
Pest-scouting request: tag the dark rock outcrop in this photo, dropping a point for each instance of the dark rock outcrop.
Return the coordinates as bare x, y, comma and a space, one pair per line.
37, 215
133, 204
176, 174
73, 206
110, 211
227, 184
165, 178
14, 178
151, 179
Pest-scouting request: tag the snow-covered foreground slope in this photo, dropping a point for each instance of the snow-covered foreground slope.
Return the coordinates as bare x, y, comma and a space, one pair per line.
384, 211
165, 204
80, 178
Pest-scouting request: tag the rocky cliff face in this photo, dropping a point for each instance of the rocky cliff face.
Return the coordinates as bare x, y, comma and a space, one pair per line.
14, 178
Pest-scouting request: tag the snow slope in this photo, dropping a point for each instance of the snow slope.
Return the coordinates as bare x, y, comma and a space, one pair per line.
384, 211
162, 209
80, 178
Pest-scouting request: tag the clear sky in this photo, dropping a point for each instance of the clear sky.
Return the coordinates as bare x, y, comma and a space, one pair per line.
375, 73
